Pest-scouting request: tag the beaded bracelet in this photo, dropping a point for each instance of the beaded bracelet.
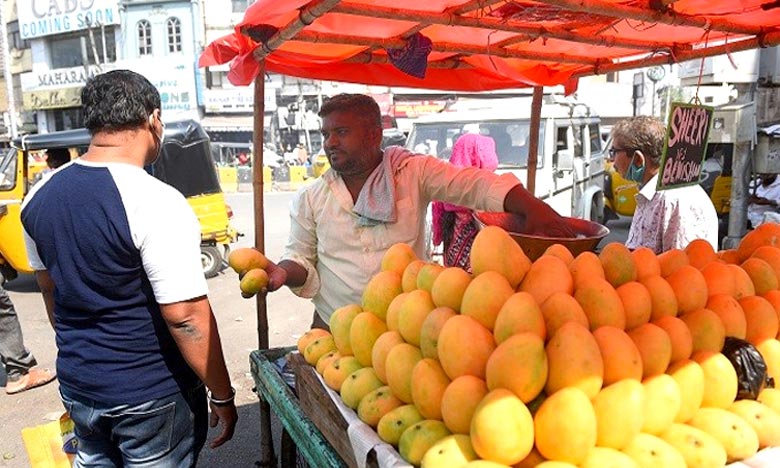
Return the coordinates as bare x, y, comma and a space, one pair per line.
225, 402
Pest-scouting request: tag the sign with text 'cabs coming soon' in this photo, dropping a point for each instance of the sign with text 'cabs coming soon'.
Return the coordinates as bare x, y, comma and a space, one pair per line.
39, 18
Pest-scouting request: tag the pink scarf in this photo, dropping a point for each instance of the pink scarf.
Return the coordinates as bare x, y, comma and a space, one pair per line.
470, 150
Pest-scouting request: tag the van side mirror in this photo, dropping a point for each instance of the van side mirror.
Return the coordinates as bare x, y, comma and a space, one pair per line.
565, 160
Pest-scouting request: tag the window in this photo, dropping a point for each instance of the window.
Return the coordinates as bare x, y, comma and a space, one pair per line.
215, 79
144, 32
68, 119
174, 35
15, 40
594, 134
612, 77
239, 6
71, 50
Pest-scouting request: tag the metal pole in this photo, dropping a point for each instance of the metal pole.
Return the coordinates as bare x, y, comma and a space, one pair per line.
9, 85
533, 141
267, 457
653, 98
740, 193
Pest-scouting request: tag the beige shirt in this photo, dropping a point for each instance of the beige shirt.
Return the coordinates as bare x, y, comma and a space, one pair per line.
671, 219
341, 256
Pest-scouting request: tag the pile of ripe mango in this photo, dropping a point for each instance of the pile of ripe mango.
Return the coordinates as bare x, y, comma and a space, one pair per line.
603, 360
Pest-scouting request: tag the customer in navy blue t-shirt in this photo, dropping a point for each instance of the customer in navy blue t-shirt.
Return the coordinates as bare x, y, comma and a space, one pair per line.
117, 257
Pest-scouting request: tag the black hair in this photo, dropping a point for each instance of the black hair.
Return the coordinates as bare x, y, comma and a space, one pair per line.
118, 100
363, 106
56, 157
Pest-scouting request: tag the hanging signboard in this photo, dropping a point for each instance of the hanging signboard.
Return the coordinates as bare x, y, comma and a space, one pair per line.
685, 145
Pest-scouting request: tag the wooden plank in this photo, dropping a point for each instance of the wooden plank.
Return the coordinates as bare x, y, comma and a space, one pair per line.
315, 402
271, 387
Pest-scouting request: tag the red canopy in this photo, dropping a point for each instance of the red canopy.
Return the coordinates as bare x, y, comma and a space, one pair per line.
480, 45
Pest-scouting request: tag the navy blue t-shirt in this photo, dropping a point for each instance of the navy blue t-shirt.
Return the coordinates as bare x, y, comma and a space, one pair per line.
117, 243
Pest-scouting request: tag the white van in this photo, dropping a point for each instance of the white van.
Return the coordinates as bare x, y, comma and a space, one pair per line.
570, 164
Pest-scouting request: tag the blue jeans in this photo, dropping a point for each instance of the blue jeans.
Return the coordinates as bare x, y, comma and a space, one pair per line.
168, 432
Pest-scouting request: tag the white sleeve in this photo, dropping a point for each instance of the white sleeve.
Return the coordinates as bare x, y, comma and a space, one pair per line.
302, 244
32, 252
170, 252
167, 234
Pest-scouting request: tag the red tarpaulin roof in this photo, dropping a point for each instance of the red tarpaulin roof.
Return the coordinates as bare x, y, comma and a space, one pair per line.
486, 45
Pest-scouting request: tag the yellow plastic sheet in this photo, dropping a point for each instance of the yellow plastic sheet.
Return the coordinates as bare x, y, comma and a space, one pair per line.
51, 445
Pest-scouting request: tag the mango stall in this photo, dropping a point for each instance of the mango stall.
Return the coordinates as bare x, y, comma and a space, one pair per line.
475, 46
615, 358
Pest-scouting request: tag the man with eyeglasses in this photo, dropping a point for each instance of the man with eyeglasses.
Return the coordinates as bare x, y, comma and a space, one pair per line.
664, 219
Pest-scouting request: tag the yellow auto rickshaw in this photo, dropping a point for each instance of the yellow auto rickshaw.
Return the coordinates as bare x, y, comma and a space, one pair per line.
184, 163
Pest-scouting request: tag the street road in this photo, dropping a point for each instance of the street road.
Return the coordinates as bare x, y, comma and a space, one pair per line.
288, 317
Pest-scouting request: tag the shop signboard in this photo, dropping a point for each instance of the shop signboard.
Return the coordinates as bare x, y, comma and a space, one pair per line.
175, 81
52, 99
236, 100
39, 18
412, 109
685, 146
74, 77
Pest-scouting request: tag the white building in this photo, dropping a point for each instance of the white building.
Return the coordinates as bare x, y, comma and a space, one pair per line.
72, 41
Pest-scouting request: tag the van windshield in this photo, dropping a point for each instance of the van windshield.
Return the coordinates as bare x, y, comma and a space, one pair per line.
511, 137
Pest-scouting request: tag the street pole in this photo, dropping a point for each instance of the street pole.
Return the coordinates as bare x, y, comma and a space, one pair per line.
653, 98
9, 85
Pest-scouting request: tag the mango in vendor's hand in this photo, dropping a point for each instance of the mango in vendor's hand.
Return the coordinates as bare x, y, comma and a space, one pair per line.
253, 282
244, 259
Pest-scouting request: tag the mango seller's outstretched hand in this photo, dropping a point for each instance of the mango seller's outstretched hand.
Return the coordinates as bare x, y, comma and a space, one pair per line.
540, 218
285, 273
277, 276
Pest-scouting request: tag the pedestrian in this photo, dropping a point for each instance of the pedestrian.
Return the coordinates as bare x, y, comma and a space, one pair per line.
342, 224
19, 363
117, 258
56, 157
764, 199
663, 219
453, 225
301, 155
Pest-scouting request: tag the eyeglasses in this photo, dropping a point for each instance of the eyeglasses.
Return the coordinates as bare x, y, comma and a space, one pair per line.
614, 151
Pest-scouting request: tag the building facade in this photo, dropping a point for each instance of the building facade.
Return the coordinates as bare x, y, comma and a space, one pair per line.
55, 46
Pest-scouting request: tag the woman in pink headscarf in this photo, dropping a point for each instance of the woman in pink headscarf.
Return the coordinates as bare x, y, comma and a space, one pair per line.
454, 225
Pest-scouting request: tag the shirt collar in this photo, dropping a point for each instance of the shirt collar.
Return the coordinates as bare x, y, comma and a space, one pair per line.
648, 190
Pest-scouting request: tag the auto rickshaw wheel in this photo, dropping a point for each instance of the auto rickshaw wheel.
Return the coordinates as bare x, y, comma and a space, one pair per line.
211, 259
